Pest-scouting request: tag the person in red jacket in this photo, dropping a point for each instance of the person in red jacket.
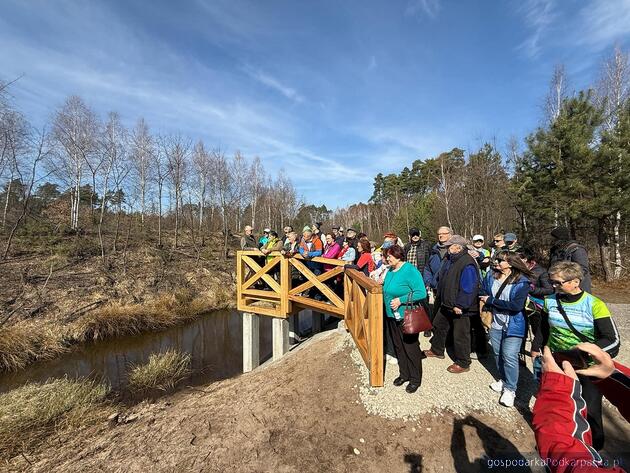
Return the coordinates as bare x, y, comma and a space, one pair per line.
563, 436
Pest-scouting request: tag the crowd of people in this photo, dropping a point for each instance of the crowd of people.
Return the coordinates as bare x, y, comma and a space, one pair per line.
489, 297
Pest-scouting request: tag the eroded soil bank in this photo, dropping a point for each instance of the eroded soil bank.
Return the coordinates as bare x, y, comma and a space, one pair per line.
302, 413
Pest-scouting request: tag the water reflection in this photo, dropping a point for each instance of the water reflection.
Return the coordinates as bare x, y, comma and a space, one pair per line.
214, 341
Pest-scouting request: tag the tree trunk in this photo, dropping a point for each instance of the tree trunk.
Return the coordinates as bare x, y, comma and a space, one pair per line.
6, 202
159, 214
616, 239
603, 242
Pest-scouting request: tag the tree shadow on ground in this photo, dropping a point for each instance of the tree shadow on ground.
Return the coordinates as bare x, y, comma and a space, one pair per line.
496, 449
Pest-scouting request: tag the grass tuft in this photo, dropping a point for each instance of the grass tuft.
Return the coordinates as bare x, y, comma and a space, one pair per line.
24, 343
162, 372
32, 412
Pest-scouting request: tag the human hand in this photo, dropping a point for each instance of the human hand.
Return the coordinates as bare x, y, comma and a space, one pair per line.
394, 303
603, 366
483, 298
534, 354
550, 365
457, 310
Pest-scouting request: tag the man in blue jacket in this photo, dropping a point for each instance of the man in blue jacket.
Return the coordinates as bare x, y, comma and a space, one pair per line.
456, 296
438, 252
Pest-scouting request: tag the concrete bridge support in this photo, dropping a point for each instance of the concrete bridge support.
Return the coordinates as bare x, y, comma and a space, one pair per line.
280, 337
251, 341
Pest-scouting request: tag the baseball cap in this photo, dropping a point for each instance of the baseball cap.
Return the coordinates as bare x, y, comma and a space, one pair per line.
510, 237
456, 240
307, 229
266, 230
478, 237
414, 231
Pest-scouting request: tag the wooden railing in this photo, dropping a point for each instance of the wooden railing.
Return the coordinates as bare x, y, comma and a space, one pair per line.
264, 287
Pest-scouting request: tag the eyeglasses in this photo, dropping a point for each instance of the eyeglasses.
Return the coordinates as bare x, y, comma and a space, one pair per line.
556, 282
447, 233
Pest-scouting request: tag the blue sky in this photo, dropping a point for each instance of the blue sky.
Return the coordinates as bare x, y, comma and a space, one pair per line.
333, 92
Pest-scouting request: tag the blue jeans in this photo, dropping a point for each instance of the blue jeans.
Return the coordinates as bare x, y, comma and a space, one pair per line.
506, 350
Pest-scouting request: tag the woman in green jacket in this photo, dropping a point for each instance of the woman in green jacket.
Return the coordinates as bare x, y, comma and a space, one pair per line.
401, 280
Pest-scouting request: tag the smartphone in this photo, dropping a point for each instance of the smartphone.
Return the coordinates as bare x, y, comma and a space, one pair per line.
578, 359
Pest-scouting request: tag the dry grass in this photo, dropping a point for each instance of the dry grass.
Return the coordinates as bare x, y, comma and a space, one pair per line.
118, 320
26, 342
32, 412
162, 372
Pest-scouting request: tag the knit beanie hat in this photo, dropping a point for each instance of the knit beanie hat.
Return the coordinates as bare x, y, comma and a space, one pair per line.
561, 233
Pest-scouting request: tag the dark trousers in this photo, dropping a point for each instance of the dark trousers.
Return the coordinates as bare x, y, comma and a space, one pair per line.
388, 341
479, 342
593, 398
446, 321
408, 352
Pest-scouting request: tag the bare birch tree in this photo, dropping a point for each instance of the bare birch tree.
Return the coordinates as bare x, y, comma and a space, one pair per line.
142, 150
74, 130
177, 151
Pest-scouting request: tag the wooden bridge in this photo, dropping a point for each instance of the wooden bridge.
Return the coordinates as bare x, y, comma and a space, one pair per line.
265, 287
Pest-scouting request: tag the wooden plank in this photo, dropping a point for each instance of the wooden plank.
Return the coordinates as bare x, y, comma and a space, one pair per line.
261, 273
261, 294
365, 282
319, 259
325, 290
323, 277
317, 305
272, 312
375, 318
285, 285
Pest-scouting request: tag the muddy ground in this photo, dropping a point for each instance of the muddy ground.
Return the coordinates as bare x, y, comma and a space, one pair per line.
302, 413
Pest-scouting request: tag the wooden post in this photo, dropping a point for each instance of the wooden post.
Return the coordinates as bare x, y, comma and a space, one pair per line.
375, 318
280, 337
251, 341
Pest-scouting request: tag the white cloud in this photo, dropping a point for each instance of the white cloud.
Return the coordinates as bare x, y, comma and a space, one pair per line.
429, 8
603, 23
273, 83
538, 15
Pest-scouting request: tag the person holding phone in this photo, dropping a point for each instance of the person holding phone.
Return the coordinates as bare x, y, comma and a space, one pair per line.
573, 316
563, 437
504, 292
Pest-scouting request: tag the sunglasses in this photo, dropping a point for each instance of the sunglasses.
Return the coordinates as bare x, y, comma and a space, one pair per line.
500, 260
556, 282
497, 241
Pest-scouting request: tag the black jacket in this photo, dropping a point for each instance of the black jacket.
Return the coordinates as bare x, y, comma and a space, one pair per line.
540, 283
422, 253
570, 250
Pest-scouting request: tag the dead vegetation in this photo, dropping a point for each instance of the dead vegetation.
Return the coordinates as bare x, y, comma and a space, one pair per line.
32, 412
28, 342
162, 372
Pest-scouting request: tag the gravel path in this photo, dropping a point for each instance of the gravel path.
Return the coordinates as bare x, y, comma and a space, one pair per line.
461, 394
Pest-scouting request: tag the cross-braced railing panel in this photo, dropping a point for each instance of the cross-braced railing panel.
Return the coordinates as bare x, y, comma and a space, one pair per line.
264, 286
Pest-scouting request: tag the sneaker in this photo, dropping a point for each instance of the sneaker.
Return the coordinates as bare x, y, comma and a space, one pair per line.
507, 398
497, 386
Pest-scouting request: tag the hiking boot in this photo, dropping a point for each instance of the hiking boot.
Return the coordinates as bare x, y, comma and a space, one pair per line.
497, 386
432, 354
507, 398
456, 369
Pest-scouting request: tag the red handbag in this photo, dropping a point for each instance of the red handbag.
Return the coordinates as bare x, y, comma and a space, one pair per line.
416, 319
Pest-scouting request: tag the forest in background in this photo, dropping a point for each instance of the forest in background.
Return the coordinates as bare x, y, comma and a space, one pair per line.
91, 177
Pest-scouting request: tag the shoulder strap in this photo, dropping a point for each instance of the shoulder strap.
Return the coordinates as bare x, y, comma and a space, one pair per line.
577, 333
501, 287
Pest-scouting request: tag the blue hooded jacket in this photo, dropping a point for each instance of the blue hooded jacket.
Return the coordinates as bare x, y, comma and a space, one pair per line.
515, 307
432, 268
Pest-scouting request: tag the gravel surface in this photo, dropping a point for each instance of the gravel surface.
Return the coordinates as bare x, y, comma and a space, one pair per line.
460, 394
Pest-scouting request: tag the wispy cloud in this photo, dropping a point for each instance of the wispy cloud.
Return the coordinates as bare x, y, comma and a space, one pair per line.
538, 15
273, 83
430, 8
603, 22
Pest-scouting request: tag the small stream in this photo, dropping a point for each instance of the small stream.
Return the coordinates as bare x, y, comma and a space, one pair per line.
214, 341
